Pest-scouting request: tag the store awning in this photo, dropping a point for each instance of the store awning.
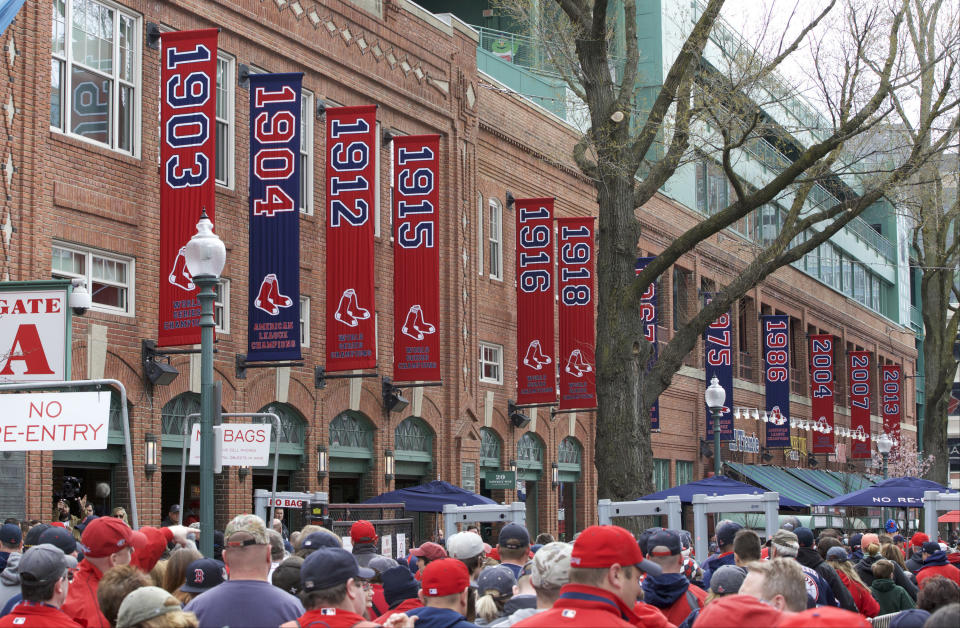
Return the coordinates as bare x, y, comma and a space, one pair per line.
820, 480
777, 479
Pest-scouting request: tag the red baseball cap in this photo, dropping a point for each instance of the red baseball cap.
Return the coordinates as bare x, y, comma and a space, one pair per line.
823, 617
362, 531
430, 551
446, 576
735, 611
105, 536
918, 539
599, 547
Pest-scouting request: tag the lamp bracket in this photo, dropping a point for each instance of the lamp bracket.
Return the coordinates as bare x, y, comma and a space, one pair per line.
415, 384
320, 376
148, 349
242, 365
153, 35
556, 412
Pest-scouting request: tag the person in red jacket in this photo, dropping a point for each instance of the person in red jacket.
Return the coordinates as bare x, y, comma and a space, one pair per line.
110, 542
935, 564
605, 568
866, 604
45, 573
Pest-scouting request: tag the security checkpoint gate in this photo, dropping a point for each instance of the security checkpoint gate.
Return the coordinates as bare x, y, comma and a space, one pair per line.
769, 503
483, 513
263, 499
669, 507
934, 502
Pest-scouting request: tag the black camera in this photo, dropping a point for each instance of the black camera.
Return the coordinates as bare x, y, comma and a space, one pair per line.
71, 487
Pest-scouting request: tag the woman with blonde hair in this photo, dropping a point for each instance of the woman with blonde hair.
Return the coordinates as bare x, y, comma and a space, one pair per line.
494, 589
866, 604
119, 512
891, 552
175, 573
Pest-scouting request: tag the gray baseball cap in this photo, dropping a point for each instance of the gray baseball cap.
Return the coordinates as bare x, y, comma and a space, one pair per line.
44, 563
551, 565
727, 579
143, 604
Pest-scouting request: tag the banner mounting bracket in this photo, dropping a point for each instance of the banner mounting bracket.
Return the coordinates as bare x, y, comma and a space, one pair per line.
242, 365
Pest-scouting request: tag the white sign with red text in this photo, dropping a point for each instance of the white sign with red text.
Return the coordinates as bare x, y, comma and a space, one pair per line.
241, 444
33, 336
54, 421
284, 502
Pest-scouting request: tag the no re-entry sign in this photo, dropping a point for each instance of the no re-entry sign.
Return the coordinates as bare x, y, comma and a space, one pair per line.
52, 421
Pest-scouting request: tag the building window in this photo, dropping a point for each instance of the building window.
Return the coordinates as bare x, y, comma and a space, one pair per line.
221, 307
714, 192
811, 260
530, 450
468, 476
684, 472
413, 434
875, 292
225, 96
769, 225
491, 363
859, 284
847, 276
305, 321
95, 71
827, 262
661, 474
306, 152
109, 277
480, 242
495, 238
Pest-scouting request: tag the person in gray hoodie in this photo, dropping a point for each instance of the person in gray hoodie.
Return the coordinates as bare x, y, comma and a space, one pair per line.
549, 571
10, 579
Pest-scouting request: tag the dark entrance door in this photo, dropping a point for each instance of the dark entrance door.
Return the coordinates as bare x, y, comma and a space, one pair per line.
345, 489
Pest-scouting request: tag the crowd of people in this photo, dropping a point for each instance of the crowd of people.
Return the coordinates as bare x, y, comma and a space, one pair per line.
266, 577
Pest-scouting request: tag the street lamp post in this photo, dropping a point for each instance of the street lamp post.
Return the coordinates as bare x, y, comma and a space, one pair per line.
205, 255
884, 445
715, 395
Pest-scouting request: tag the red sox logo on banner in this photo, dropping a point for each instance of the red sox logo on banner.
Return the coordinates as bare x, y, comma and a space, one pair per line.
577, 322
536, 372
187, 154
416, 258
822, 391
351, 174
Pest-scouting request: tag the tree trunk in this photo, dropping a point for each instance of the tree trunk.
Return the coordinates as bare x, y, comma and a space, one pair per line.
939, 369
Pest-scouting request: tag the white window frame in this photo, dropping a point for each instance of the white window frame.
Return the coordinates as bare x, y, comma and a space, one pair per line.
231, 96
498, 363
304, 321
89, 254
481, 243
495, 238
306, 152
221, 304
66, 59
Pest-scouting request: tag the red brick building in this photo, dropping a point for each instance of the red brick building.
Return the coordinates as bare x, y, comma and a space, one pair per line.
82, 200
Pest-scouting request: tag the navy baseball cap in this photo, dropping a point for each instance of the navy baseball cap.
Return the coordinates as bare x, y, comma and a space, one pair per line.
664, 543
931, 547
11, 534
33, 534
203, 574
804, 536
514, 536
726, 531
316, 540
60, 537
330, 566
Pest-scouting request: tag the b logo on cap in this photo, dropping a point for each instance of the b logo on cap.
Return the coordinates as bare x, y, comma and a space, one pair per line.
569, 612
433, 591
197, 576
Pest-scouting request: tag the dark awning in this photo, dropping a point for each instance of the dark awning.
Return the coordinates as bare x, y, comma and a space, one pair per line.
777, 479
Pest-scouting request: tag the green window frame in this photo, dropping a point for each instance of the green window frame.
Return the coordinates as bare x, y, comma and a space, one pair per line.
661, 473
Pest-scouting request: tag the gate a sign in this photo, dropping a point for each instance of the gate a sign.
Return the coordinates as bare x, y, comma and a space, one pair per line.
34, 332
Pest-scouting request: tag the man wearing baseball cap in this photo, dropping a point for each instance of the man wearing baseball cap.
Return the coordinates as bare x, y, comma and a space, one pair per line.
446, 585
670, 591
605, 568
247, 599
726, 531
468, 548
549, 571
513, 546
45, 573
784, 544
935, 564
914, 552
332, 590
426, 554
364, 538
11, 542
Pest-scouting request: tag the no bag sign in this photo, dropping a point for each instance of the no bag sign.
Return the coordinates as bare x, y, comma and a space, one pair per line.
54, 421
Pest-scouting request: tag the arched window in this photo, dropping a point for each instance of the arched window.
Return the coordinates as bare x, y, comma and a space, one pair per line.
349, 429
490, 448
571, 452
530, 451
174, 414
413, 434
292, 423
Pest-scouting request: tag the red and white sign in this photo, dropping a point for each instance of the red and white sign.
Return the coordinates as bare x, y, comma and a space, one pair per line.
821, 391
33, 336
577, 364
284, 502
536, 359
891, 399
54, 421
241, 444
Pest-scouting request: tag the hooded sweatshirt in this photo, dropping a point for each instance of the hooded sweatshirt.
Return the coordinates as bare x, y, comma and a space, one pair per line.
432, 617
809, 557
10, 579
891, 597
936, 565
865, 571
668, 592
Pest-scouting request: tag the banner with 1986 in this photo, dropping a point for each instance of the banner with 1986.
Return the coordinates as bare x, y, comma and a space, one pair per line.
273, 319
776, 363
648, 314
718, 361
351, 155
822, 392
188, 99
416, 258
575, 247
858, 363
536, 359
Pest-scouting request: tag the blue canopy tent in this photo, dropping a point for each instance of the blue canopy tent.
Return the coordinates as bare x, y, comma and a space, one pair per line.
896, 492
717, 485
430, 497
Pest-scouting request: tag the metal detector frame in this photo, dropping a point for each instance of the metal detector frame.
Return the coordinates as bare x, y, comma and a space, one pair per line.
252, 415
934, 502
515, 512
768, 502
134, 519
671, 507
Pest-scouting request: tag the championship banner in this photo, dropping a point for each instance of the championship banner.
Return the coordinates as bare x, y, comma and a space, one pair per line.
416, 258
648, 313
351, 176
776, 366
188, 101
273, 318
718, 358
536, 359
578, 386
822, 391
858, 370
891, 399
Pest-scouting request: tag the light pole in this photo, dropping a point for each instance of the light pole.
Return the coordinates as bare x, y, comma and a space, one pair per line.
206, 256
884, 445
715, 395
